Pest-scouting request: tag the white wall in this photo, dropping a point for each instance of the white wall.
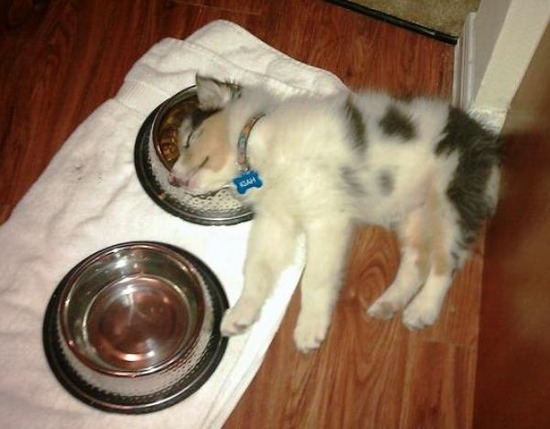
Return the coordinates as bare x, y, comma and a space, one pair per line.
498, 43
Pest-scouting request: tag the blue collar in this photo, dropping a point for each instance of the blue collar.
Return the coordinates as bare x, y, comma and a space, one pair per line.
242, 157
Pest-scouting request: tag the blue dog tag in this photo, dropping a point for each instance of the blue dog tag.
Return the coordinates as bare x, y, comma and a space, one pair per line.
248, 179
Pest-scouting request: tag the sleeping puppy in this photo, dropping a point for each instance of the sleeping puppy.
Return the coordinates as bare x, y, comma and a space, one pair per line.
317, 166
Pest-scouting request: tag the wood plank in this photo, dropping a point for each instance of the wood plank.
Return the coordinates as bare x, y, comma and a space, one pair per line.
439, 380
5, 211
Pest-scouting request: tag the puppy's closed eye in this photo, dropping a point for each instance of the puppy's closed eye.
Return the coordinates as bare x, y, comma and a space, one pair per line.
192, 138
203, 164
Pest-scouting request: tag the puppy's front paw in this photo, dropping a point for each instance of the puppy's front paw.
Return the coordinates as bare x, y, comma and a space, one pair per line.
238, 319
420, 314
310, 333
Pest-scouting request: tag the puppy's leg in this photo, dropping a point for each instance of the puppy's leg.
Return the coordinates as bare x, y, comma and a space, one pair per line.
413, 268
446, 256
327, 243
271, 246
406, 284
426, 306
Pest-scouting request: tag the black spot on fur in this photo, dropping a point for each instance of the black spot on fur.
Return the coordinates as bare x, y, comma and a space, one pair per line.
455, 260
386, 182
236, 91
455, 263
406, 98
357, 125
479, 151
353, 184
396, 123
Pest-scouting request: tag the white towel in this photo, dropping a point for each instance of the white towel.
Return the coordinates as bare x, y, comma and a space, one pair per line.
89, 198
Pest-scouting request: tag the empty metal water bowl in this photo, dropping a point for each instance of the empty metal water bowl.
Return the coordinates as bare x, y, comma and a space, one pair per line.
156, 151
135, 327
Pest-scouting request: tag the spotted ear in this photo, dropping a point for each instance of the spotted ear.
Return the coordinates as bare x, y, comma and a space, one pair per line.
213, 94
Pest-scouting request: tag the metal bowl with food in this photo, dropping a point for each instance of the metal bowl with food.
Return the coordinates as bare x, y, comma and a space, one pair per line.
156, 151
135, 327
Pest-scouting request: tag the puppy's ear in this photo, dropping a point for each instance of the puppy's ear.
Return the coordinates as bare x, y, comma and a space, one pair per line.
213, 94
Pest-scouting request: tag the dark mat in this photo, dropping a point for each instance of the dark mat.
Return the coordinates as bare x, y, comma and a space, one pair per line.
441, 19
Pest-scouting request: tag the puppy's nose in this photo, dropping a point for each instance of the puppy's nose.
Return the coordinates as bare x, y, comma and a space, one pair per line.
174, 181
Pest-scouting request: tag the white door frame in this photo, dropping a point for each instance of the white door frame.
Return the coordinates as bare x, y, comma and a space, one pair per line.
493, 54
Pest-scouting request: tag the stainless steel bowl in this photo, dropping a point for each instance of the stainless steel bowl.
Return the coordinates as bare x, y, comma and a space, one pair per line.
130, 325
156, 151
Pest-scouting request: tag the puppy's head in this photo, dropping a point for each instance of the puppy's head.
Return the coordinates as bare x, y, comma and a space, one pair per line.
206, 159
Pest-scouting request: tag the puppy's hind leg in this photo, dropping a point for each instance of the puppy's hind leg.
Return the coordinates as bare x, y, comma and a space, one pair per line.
413, 268
406, 284
271, 247
446, 256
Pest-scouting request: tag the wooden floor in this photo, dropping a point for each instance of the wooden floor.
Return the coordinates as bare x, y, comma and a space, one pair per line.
59, 60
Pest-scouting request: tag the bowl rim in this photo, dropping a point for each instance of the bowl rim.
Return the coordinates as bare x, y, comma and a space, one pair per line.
162, 109
135, 405
79, 270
